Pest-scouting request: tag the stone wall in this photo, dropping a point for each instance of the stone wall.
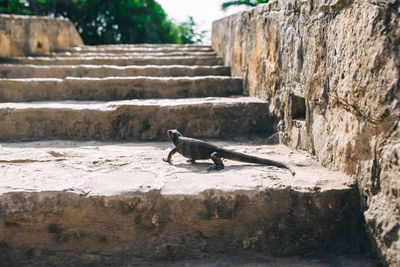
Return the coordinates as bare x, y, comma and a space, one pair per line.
329, 70
30, 35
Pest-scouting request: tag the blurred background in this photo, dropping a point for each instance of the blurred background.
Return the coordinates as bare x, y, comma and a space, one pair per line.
134, 21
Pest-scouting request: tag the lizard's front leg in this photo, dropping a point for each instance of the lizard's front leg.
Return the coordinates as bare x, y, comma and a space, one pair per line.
171, 153
218, 165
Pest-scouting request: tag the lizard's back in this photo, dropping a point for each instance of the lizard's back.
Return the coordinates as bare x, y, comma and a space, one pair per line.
194, 148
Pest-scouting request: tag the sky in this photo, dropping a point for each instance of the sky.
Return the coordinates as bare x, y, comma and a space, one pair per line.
204, 12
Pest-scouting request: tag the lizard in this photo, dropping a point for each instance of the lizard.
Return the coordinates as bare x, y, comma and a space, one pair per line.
195, 149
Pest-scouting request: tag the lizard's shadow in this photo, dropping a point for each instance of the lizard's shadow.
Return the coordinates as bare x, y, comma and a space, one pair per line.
203, 166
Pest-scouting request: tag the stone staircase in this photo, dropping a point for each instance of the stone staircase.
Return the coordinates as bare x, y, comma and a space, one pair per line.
211, 104
83, 182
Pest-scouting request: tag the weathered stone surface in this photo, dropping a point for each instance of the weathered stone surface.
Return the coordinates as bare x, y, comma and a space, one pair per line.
55, 71
99, 203
340, 60
259, 260
140, 48
118, 61
134, 119
116, 88
172, 53
28, 35
73, 202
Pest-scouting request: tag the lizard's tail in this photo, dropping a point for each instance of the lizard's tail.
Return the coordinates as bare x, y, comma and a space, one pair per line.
236, 156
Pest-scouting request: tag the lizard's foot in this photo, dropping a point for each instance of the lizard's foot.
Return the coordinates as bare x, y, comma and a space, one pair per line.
166, 160
215, 168
218, 165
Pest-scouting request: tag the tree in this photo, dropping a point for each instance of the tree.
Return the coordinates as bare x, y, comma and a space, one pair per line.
188, 34
110, 21
227, 4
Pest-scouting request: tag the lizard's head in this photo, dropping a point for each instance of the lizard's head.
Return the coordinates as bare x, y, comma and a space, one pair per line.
174, 135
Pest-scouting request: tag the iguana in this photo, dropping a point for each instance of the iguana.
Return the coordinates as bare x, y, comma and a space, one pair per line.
195, 149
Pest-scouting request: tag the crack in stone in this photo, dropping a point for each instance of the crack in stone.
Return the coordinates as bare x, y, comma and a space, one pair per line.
28, 160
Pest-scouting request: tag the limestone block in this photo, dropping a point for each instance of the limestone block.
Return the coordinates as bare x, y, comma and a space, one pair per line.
342, 57
137, 119
116, 88
102, 71
118, 60
4, 44
32, 35
64, 201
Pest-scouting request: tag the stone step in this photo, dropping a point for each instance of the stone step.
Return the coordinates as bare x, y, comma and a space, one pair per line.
133, 54
176, 46
139, 48
116, 88
134, 119
101, 203
119, 61
62, 71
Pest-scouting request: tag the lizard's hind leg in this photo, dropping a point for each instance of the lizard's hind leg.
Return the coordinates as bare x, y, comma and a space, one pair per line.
218, 165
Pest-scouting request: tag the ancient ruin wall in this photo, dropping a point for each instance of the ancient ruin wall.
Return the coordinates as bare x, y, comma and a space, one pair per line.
30, 35
330, 72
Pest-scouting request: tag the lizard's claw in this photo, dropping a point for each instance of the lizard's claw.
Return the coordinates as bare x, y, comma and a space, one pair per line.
166, 160
215, 167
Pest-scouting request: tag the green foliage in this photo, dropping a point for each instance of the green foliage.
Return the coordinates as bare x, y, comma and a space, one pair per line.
111, 21
187, 32
227, 4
